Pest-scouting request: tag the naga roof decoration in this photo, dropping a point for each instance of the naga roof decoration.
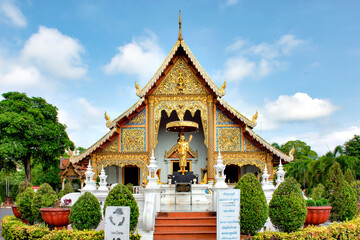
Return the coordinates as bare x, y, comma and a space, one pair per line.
268, 146
181, 43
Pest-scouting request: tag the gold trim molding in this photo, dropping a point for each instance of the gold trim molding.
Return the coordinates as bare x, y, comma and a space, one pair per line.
245, 158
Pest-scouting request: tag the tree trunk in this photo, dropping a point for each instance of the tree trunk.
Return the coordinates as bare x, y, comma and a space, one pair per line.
27, 166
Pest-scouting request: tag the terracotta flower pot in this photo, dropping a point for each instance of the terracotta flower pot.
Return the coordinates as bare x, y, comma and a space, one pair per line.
56, 217
317, 215
16, 211
18, 214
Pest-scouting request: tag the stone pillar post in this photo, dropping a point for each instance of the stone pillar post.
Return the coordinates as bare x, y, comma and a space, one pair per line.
211, 137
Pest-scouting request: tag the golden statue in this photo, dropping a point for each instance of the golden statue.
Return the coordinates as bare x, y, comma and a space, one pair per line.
183, 148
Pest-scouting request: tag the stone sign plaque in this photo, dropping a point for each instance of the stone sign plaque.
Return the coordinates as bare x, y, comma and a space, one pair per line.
228, 213
117, 223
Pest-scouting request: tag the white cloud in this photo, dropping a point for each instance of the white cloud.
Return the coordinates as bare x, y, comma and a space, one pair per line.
299, 107
259, 60
91, 113
231, 2
13, 13
322, 142
19, 76
238, 68
55, 53
141, 57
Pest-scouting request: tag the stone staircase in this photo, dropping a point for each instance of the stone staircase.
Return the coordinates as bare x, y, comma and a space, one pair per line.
185, 225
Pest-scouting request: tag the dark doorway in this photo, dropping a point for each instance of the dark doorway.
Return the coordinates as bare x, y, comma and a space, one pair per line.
176, 167
131, 175
232, 173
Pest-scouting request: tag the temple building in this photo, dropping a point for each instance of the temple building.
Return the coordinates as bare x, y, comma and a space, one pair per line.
180, 90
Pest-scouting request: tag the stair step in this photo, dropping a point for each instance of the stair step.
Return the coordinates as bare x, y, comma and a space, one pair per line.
186, 214
186, 235
179, 228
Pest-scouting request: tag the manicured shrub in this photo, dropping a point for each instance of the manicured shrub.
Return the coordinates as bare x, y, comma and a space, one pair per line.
349, 176
287, 208
344, 230
67, 189
86, 212
356, 186
45, 196
120, 195
342, 197
24, 201
253, 205
318, 192
310, 203
24, 185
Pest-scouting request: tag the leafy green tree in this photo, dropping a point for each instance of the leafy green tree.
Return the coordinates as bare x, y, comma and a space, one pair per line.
352, 147
253, 205
29, 128
301, 149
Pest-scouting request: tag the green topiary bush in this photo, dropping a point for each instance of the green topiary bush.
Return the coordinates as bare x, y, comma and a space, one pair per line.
86, 212
342, 197
24, 201
67, 189
24, 185
45, 196
253, 206
349, 176
318, 192
310, 203
356, 186
287, 208
120, 195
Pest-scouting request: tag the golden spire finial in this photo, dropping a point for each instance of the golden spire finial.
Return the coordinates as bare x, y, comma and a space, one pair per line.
180, 34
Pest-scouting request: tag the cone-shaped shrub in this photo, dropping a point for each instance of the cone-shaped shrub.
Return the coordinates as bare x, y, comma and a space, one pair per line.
24, 201
67, 189
287, 208
45, 196
24, 185
342, 197
349, 176
120, 195
318, 192
86, 212
253, 205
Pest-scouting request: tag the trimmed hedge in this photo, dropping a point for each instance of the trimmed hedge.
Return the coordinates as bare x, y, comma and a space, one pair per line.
253, 206
24, 201
344, 230
120, 195
45, 196
86, 212
287, 208
14, 229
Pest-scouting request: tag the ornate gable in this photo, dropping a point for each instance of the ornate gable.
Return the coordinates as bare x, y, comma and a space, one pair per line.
180, 80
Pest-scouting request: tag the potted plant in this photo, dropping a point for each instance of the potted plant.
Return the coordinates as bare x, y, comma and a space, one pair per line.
318, 212
22, 187
24, 205
57, 217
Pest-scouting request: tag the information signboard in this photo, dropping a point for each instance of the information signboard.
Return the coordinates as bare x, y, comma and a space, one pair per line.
228, 213
117, 223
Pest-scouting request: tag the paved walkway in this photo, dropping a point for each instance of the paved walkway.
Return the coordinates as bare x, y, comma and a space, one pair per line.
3, 212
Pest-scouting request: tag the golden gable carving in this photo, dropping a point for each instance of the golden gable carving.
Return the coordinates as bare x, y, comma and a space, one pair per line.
180, 80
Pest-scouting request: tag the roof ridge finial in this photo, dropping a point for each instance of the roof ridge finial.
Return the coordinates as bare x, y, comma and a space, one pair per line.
180, 38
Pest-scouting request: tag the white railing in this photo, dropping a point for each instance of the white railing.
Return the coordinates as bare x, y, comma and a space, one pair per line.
137, 189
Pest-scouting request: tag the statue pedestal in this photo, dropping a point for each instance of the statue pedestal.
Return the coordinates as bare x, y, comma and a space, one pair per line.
188, 177
199, 196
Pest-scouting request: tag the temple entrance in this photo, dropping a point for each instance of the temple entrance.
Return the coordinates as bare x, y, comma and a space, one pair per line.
232, 173
175, 166
131, 174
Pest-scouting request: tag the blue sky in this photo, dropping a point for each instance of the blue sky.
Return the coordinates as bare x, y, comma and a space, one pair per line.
296, 62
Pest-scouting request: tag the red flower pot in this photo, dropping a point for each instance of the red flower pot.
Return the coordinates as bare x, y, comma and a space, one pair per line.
317, 215
16, 211
56, 217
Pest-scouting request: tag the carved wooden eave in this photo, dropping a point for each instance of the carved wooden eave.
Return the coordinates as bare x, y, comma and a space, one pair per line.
128, 112
95, 146
180, 43
63, 173
269, 147
238, 115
